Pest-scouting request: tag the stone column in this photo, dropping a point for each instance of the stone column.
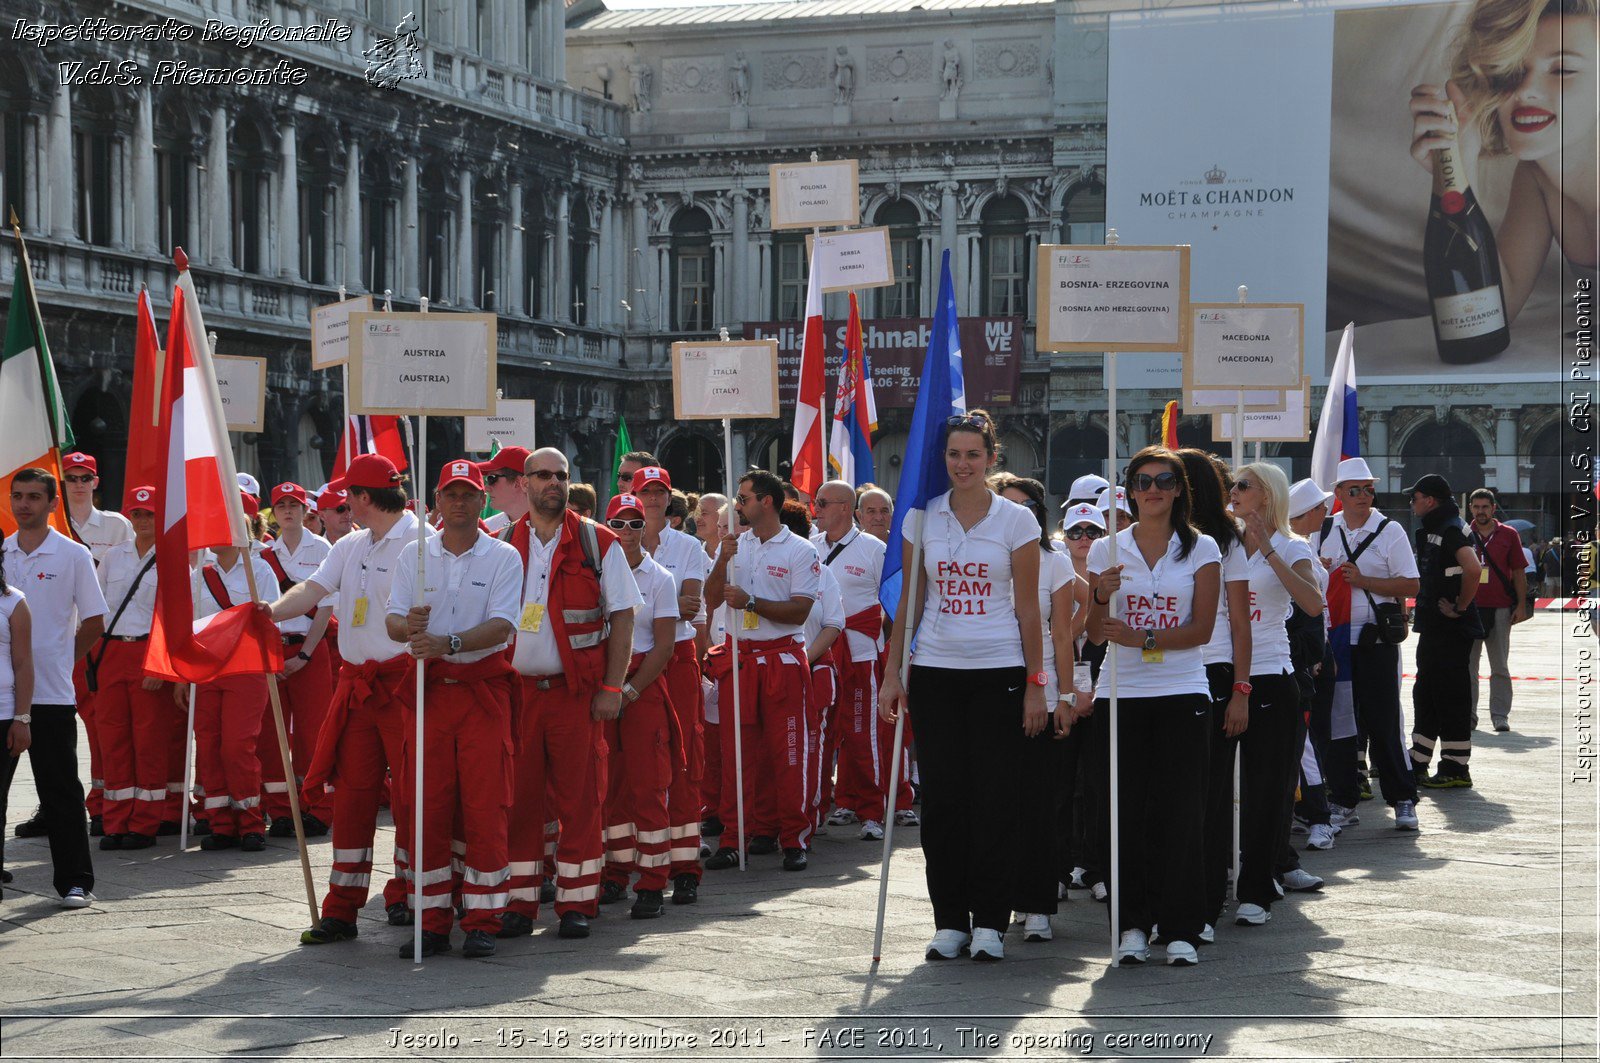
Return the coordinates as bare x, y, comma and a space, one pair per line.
1376, 446
288, 197
557, 71
605, 301
640, 261
144, 176
119, 173
972, 266
218, 235
410, 232
947, 233
355, 273
33, 166
466, 264
61, 188
930, 278
561, 290
738, 284
591, 273
1505, 455
515, 279
191, 238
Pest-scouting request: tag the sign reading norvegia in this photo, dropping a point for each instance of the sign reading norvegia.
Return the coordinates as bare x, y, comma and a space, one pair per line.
242, 384
713, 381
330, 331
436, 364
512, 423
1113, 298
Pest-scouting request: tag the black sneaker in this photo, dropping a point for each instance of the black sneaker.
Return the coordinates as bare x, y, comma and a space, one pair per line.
252, 843
646, 905
282, 827
329, 931
1448, 780
201, 828
685, 889
573, 925
710, 827
5, 877
399, 914
611, 891
514, 925
432, 945
97, 826
762, 845
170, 828
547, 892
137, 841
213, 842
478, 944
1366, 790
314, 827
33, 826
794, 860
111, 841
722, 859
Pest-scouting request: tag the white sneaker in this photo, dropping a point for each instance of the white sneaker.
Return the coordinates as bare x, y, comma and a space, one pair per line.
1155, 933
1182, 954
1208, 934
842, 817
1405, 815
1251, 915
1076, 881
1037, 928
77, 897
1322, 836
1061, 891
1099, 892
871, 831
1301, 881
986, 945
907, 817
1340, 817
948, 944
1134, 947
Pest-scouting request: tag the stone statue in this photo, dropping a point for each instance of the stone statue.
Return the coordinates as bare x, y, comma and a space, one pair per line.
844, 76
639, 80
739, 80
952, 71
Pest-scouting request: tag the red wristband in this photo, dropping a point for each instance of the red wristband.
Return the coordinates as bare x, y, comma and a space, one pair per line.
610, 690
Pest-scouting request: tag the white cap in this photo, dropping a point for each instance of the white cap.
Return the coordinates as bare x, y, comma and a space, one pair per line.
1083, 513
1088, 486
1104, 500
1305, 496
249, 485
1353, 469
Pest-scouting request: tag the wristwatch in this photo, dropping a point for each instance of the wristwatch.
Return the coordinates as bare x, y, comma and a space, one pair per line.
303, 657
1040, 679
1149, 638
1070, 698
22, 717
455, 644
1243, 688
629, 692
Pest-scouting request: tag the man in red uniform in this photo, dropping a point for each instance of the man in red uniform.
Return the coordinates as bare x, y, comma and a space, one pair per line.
574, 641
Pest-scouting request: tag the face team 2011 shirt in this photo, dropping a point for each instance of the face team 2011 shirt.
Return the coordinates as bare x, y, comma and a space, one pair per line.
462, 590
858, 567
784, 567
1155, 598
969, 617
536, 652
358, 573
684, 559
1271, 604
58, 578
659, 592
1235, 569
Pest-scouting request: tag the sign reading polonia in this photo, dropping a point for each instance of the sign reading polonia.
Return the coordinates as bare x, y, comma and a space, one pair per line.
713, 381
1246, 345
511, 424
435, 364
1113, 298
242, 383
330, 331
856, 258
808, 195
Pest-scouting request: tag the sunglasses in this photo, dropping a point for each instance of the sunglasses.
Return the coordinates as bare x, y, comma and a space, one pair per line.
1360, 489
341, 509
1084, 532
1241, 485
546, 475
492, 478
78, 479
967, 420
633, 524
1166, 481
1030, 503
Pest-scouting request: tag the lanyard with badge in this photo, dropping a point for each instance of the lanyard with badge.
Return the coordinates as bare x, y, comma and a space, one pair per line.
1149, 654
359, 614
752, 620
533, 612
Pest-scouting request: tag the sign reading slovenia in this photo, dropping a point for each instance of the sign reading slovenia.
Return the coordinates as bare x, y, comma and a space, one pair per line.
808, 195
435, 364
1113, 298
713, 381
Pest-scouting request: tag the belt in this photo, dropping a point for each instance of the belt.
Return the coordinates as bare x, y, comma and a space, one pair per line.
128, 638
294, 640
546, 682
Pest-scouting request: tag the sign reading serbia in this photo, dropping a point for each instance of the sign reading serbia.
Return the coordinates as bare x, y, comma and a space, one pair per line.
991, 355
437, 364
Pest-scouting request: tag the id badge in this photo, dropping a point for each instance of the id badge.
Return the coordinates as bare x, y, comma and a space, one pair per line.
1151, 656
360, 616
1483, 575
751, 621
532, 617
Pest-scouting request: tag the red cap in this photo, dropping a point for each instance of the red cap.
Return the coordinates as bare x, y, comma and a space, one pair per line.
332, 498
252, 504
79, 460
619, 503
650, 474
460, 471
372, 471
139, 498
506, 459
289, 490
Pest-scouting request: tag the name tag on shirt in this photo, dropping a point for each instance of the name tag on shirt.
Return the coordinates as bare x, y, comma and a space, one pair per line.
532, 617
1483, 575
751, 620
1151, 656
360, 617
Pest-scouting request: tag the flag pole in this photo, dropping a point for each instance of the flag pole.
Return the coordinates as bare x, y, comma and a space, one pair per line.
895, 753
418, 463
188, 735
734, 619
1111, 651
350, 444
1238, 749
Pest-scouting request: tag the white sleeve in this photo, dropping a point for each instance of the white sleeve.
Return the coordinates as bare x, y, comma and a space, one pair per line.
1297, 550
1235, 567
665, 606
86, 592
505, 587
1402, 562
616, 579
1024, 527
806, 580
400, 588
832, 603
328, 573
1061, 573
1099, 556
1205, 553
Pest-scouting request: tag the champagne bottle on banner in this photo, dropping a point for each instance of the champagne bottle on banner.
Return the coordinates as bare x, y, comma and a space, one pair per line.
1462, 268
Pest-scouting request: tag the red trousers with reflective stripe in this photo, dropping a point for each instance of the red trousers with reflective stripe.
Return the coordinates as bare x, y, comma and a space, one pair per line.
866, 744
305, 696
824, 736
639, 766
560, 775
684, 801
92, 800
776, 733
466, 735
376, 735
134, 725
227, 724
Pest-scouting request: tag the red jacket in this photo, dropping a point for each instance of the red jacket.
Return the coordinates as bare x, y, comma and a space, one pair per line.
577, 615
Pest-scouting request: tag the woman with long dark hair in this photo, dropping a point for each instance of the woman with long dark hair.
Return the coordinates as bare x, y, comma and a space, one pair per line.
1157, 606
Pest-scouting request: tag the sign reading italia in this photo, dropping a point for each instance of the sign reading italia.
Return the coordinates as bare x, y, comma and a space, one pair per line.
991, 353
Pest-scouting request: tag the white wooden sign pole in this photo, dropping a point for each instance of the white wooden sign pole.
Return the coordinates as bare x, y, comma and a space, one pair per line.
1111, 651
345, 436
419, 454
1238, 749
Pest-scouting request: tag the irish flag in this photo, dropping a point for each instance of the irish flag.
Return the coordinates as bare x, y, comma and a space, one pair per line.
35, 428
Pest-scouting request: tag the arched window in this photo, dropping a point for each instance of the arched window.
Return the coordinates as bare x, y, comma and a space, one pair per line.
380, 222
904, 298
533, 253
1083, 216
249, 187
97, 162
19, 131
788, 276
692, 280
317, 209
1005, 258
578, 255
1074, 452
438, 232
177, 170
1453, 450
487, 218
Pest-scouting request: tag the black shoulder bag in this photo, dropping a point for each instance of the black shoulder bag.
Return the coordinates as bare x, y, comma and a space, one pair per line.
91, 663
1388, 618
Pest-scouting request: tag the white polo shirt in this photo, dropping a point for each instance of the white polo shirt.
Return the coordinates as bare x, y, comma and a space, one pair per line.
359, 570
782, 568
58, 578
300, 565
1155, 598
1389, 557
858, 567
235, 583
1235, 569
1271, 604
118, 569
497, 523
685, 559
8, 678
1055, 572
658, 592
536, 652
103, 530
827, 611
969, 616
463, 590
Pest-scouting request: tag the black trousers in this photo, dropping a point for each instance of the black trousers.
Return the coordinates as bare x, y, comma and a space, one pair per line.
1217, 852
1270, 765
1047, 768
1441, 701
53, 755
1161, 765
969, 748
1375, 686
1091, 807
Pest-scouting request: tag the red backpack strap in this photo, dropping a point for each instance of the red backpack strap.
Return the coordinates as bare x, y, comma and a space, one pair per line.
213, 580
285, 584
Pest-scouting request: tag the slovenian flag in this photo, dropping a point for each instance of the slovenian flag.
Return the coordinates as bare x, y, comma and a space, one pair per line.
1339, 437
855, 413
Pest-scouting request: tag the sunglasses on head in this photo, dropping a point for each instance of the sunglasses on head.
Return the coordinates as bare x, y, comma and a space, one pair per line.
546, 475
1084, 531
1357, 490
967, 420
71, 479
1166, 481
631, 523
492, 478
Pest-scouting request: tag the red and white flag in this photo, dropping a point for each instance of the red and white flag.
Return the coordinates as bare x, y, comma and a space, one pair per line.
144, 413
200, 508
809, 459
378, 434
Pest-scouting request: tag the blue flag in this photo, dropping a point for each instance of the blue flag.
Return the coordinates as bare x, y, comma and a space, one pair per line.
941, 394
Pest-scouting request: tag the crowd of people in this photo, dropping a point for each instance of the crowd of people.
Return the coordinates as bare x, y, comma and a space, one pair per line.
597, 686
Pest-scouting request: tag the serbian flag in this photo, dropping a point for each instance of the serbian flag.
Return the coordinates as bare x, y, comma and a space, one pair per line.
370, 435
809, 457
1169, 425
144, 441
34, 419
200, 508
855, 414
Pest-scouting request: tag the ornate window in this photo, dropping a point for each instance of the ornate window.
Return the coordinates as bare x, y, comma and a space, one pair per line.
1083, 216
1005, 258
789, 276
904, 299
692, 280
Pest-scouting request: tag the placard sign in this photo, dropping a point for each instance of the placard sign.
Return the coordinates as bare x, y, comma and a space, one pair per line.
242, 383
1292, 424
808, 195
330, 331
511, 423
1246, 345
857, 258
1095, 297
1225, 400
434, 364
712, 381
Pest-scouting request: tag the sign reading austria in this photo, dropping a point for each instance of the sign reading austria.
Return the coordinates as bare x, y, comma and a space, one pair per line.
441, 364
